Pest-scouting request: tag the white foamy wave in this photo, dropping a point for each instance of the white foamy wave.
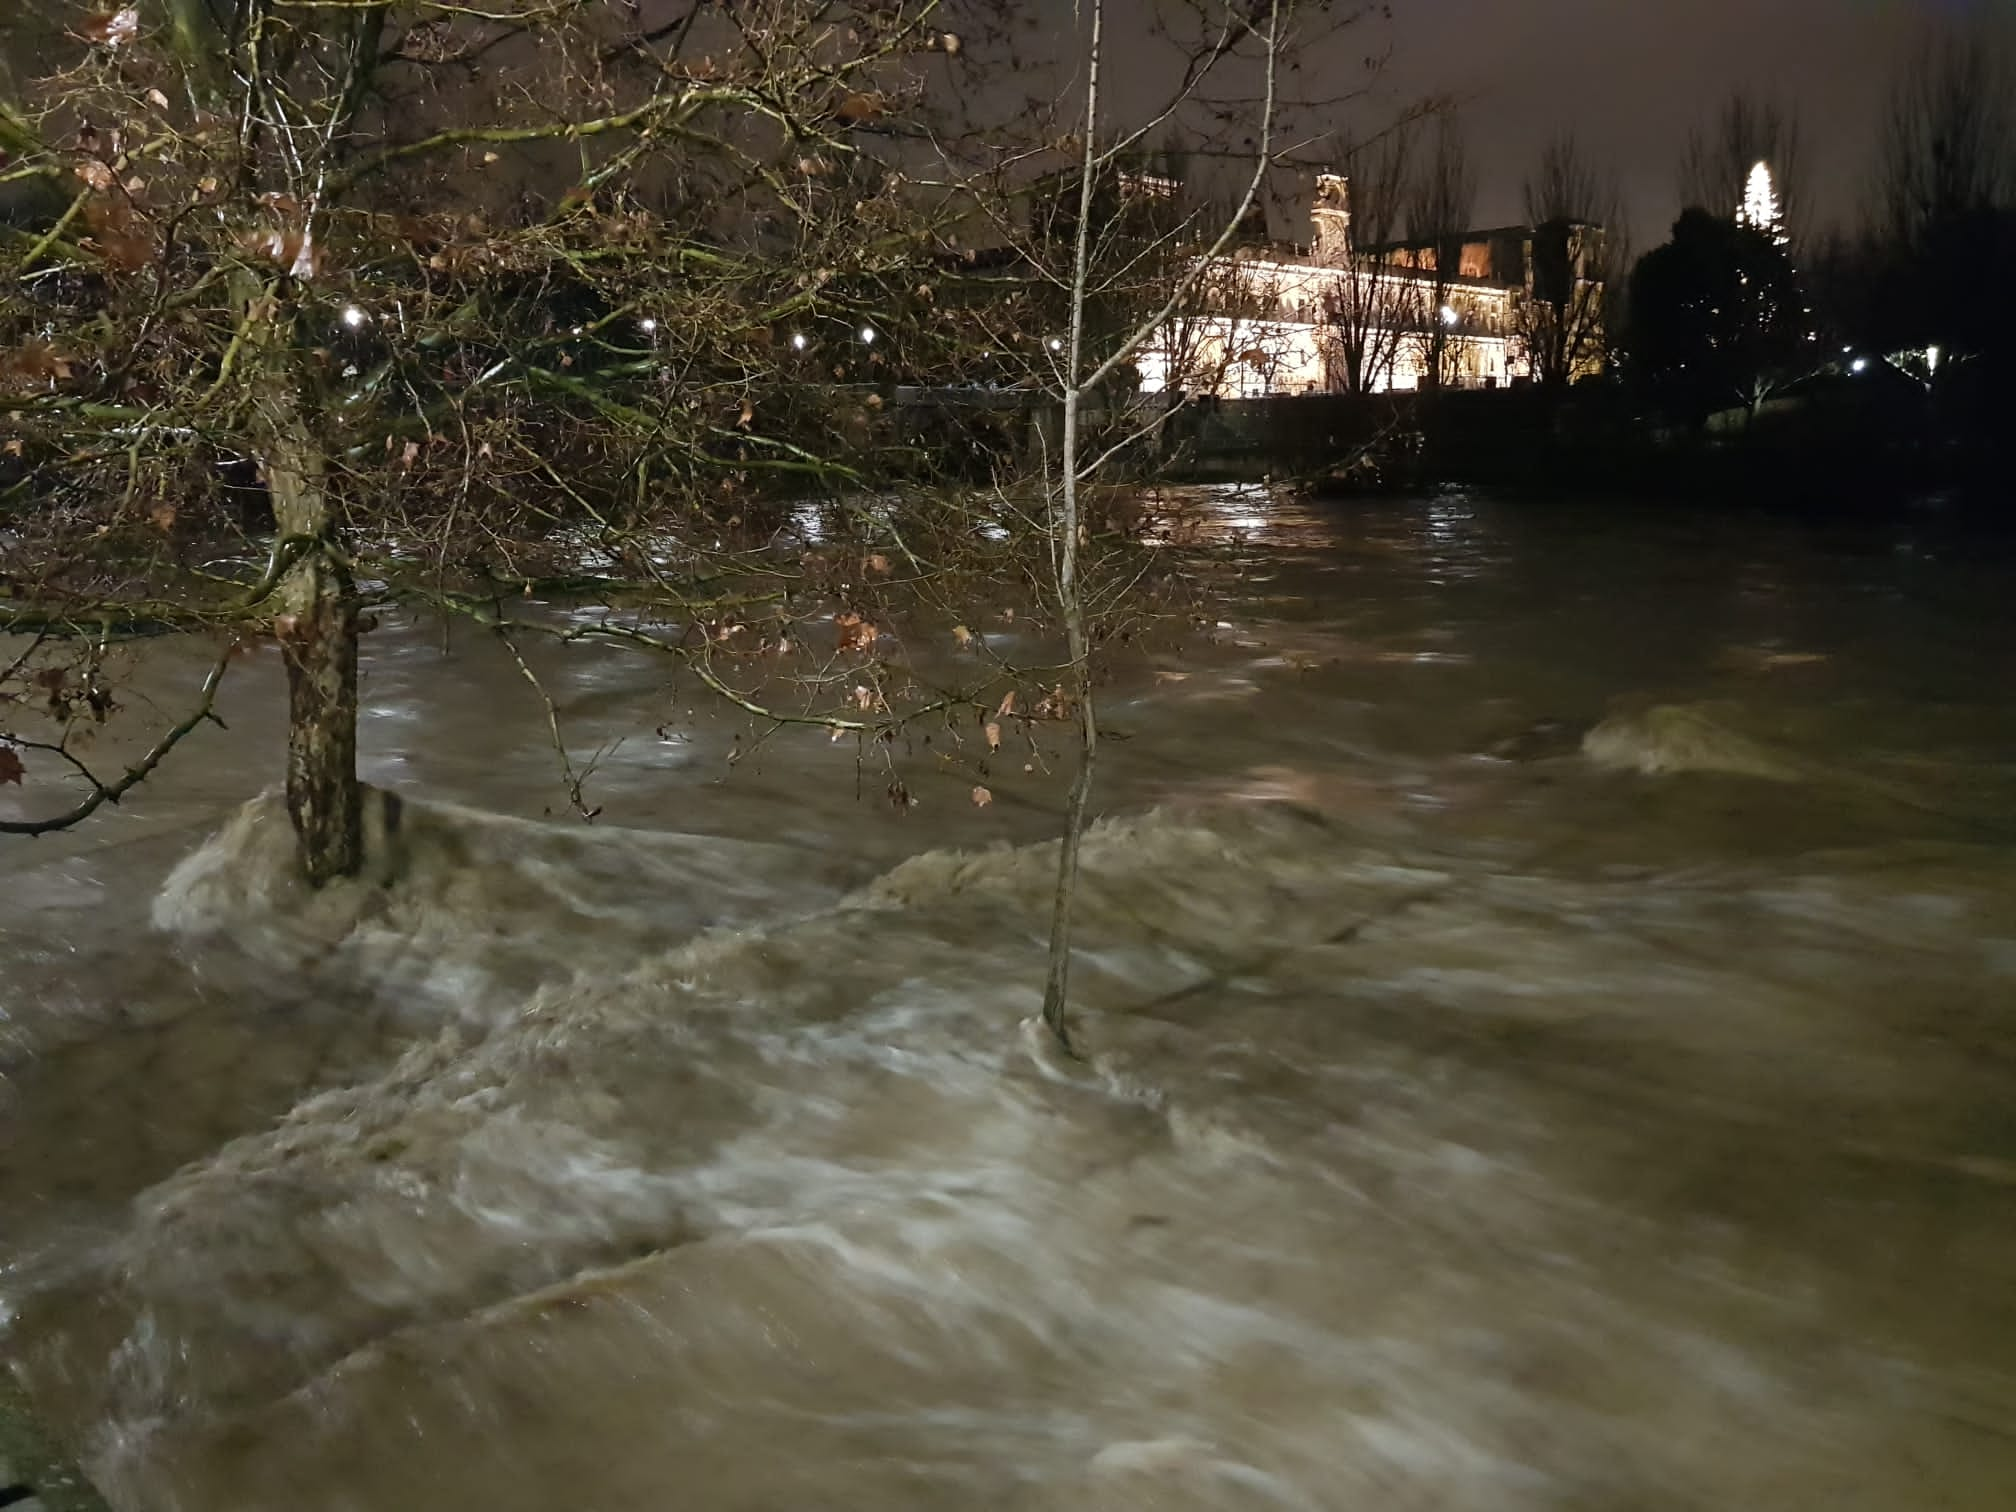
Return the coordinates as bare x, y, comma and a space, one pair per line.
804, 1184
474, 910
1672, 738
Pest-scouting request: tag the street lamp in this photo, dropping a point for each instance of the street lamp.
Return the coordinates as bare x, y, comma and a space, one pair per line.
868, 335
353, 316
647, 325
1448, 315
798, 341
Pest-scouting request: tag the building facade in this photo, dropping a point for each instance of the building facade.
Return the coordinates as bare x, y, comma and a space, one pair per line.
1297, 307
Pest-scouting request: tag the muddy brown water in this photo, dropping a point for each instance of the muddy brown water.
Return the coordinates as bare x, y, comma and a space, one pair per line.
1454, 1133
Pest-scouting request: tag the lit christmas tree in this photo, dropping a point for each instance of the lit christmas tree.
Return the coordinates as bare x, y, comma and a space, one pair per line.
1760, 205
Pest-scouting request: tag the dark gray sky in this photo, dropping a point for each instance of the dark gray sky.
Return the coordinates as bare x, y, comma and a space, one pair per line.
1631, 78
1633, 75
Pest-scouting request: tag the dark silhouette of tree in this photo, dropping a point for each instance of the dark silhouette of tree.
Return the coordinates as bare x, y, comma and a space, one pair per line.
1439, 211
1716, 318
1369, 312
1579, 253
1947, 176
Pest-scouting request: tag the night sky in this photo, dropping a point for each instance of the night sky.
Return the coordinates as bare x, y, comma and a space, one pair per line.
1631, 77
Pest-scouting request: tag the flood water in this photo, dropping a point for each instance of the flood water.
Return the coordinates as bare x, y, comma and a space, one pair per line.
1468, 1120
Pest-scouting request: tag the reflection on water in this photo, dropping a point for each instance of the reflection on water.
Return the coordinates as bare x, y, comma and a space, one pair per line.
1468, 1121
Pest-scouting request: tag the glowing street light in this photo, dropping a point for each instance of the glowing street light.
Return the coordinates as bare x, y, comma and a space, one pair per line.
1055, 343
353, 316
868, 334
798, 341
1859, 365
1449, 316
647, 325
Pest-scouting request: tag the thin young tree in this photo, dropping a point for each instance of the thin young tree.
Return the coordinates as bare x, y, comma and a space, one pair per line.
1230, 36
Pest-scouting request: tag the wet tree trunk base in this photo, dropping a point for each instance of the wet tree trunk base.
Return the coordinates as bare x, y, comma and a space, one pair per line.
318, 641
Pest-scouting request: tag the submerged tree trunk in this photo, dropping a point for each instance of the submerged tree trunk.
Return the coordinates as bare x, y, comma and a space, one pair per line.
1071, 604
317, 630
317, 620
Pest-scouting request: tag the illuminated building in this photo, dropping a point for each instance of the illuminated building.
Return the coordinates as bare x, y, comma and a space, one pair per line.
1296, 306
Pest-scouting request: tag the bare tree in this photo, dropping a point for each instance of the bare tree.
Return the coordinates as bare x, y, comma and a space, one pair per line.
1369, 312
1748, 130
1947, 150
1946, 224
1577, 256
1439, 210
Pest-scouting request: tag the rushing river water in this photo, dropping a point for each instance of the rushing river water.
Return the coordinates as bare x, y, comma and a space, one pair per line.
1629, 1128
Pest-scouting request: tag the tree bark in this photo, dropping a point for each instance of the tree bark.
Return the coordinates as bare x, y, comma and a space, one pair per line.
316, 597
317, 631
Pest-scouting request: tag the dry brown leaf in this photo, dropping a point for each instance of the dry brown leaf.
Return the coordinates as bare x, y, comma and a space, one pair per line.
12, 447
157, 99
162, 517
962, 635
981, 797
993, 736
856, 108
855, 633
748, 414
114, 29
126, 254
489, 157
96, 174
877, 563
35, 362
11, 769
136, 184
206, 186
951, 43
408, 455
1007, 705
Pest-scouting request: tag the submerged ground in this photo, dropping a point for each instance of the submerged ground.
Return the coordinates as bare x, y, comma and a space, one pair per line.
1468, 1124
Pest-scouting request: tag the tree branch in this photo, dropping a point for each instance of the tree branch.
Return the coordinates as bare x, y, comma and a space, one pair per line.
102, 793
